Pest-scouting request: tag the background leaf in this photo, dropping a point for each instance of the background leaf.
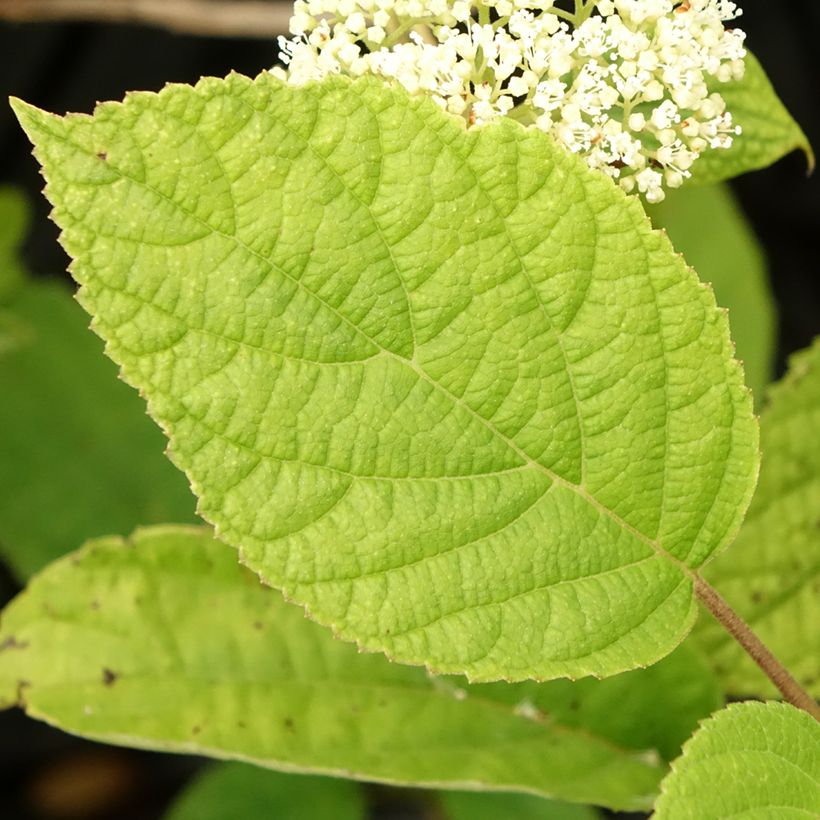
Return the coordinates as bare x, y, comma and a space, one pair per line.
78, 455
477, 806
461, 424
235, 791
165, 642
14, 219
772, 576
769, 130
753, 760
708, 227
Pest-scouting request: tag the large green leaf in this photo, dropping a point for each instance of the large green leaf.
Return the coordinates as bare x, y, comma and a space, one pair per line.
772, 576
445, 388
166, 642
752, 760
78, 455
769, 130
235, 791
708, 227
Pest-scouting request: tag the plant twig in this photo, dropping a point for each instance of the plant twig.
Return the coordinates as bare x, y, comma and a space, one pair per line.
757, 650
214, 18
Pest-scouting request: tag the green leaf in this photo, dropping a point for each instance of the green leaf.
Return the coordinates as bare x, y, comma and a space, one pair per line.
752, 760
235, 791
708, 227
772, 576
14, 220
447, 389
78, 455
482, 806
769, 130
166, 642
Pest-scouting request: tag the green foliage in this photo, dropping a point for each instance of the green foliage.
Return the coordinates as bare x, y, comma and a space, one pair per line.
235, 791
482, 806
771, 575
769, 131
14, 219
165, 642
78, 455
460, 424
708, 227
751, 760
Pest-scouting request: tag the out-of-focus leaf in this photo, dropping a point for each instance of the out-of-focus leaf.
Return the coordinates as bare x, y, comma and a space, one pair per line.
166, 642
78, 455
707, 226
237, 791
771, 575
769, 130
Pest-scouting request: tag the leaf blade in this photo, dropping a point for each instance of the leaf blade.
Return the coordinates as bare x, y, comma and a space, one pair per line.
361, 417
165, 642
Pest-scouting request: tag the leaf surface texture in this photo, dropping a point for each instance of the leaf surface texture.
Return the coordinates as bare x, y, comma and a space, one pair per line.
446, 389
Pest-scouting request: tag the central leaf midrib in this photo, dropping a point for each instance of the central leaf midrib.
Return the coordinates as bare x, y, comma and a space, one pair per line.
579, 490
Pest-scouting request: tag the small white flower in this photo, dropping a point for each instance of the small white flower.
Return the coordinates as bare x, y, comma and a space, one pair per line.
627, 87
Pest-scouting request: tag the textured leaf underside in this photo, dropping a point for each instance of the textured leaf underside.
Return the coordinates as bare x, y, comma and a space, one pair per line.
165, 642
447, 389
757, 761
772, 576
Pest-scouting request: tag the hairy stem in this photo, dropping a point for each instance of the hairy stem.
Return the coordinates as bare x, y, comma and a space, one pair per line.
757, 650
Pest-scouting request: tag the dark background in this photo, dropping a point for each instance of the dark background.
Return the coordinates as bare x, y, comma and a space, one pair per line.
68, 67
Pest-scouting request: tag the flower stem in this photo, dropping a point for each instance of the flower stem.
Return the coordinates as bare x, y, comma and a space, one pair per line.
757, 650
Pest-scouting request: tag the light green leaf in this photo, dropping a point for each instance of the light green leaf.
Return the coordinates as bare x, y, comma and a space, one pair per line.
752, 760
447, 389
655, 708
769, 130
78, 455
708, 227
235, 791
484, 806
14, 219
772, 576
166, 642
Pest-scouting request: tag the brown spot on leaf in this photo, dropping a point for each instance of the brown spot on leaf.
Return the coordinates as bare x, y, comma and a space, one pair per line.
12, 643
196, 730
103, 155
258, 624
95, 605
109, 678
289, 724
756, 596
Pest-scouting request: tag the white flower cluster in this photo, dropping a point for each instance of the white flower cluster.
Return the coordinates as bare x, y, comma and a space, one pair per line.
624, 82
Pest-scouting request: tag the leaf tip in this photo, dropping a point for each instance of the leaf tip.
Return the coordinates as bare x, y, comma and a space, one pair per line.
30, 117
